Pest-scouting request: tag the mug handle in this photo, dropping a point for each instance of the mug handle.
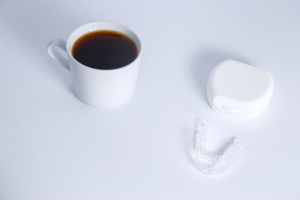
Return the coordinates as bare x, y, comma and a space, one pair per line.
57, 42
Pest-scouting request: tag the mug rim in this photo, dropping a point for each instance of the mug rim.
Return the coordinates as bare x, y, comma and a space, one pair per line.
89, 24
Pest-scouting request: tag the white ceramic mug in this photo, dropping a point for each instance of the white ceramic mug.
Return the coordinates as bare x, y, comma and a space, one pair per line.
96, 87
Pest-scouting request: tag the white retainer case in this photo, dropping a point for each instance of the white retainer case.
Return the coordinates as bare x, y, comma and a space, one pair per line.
239, 90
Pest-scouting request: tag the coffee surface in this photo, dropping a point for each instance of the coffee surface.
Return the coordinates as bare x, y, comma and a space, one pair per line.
104, 50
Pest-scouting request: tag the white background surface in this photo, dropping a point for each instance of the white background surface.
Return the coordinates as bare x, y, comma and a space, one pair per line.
54, 147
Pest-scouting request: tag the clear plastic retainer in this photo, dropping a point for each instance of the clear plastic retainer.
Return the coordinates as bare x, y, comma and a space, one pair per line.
212, 164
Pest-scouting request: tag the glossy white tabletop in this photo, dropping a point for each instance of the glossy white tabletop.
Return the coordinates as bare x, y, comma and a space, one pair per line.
54, 147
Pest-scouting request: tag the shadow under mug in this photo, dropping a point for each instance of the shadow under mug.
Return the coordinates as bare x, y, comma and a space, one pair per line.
96, 87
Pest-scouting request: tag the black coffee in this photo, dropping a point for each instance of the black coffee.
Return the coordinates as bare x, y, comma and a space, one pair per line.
104, 50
